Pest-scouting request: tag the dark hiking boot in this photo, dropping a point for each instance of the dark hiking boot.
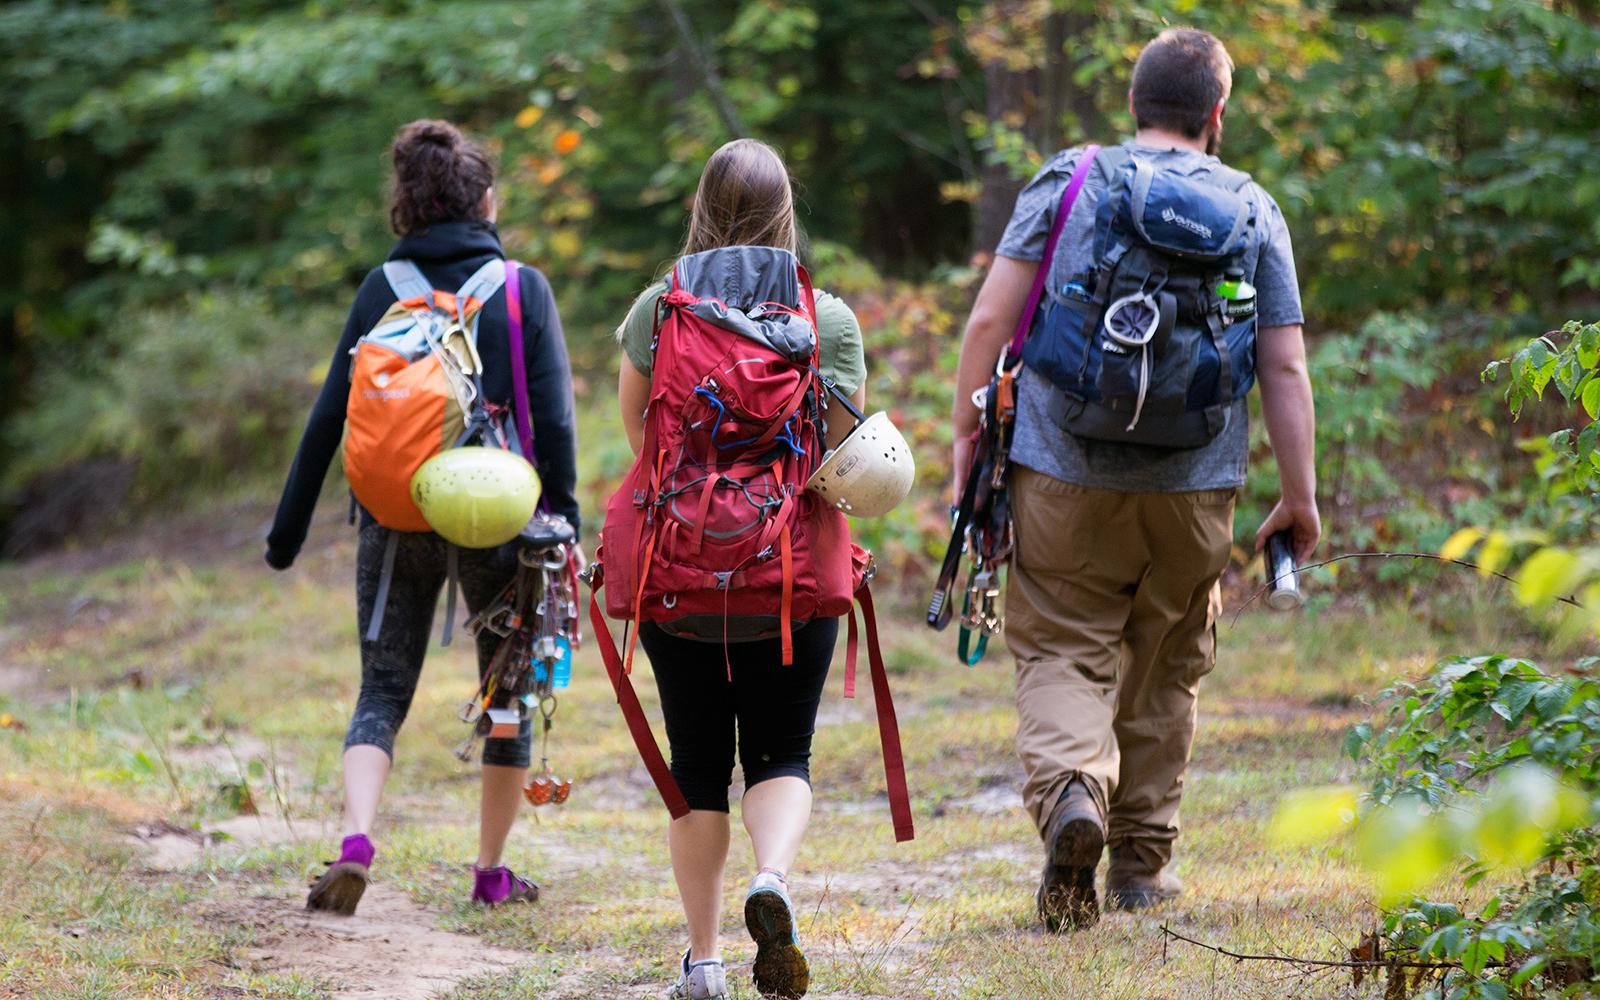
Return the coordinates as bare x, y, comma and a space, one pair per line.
493, 886
339, 889
780, 968
1131, 885
1074, 839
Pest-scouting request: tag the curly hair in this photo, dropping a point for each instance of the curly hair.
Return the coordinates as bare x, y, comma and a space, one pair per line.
439, 176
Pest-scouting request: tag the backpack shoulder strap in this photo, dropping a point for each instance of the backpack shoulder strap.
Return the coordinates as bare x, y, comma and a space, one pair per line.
1041, 274
1229, 179
406, 280
485, 281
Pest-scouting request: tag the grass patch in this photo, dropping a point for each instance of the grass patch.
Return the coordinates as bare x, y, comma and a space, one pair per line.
186, 688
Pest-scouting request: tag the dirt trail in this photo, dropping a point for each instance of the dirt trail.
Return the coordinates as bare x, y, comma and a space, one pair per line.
392, 948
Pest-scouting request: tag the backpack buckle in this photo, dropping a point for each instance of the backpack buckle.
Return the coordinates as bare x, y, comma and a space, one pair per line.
724, 577
639, 499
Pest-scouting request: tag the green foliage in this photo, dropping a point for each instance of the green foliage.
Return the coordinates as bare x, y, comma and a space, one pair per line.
195, 394
1465, 775
1492, 764
1565, 547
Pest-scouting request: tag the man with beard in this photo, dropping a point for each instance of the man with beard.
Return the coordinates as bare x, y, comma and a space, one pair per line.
1171, 289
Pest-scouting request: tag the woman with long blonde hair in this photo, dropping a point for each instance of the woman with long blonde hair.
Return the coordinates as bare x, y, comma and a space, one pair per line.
740, 699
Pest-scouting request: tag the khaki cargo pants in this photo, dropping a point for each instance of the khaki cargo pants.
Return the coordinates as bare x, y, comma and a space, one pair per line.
1111, 612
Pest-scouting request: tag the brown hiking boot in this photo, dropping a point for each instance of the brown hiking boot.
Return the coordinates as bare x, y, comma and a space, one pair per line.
1074, 838
1130, 885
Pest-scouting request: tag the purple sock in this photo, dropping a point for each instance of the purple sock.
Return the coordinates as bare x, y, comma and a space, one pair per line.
357, 848
491, 885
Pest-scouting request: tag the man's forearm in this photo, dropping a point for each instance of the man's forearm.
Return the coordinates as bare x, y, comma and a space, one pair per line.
994, 315
1289, 411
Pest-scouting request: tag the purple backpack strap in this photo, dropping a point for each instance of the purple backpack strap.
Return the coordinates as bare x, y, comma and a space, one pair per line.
519, 362
1068, 197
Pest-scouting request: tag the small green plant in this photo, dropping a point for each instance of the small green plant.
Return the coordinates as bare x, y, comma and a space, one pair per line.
1493, 764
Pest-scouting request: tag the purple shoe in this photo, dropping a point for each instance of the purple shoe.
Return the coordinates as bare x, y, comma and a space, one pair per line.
493, 886
339, 888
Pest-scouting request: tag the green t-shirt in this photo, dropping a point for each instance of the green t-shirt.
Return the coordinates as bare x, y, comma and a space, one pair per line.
842, 357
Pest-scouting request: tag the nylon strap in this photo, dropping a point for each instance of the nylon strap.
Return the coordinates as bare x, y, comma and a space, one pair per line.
786, 605
1042, 275
385, 577
970, 656
940, 607
406, 281
485, 281
850, 645
519, 365
633, 713
451, 575
894, 762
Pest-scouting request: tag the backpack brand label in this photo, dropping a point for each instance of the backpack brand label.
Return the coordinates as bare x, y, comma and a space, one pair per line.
1199, 229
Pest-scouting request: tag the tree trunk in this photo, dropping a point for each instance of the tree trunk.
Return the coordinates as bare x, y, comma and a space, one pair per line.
1005, 94
1040, 98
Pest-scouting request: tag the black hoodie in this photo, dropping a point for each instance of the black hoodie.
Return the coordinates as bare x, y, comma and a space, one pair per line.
447, 254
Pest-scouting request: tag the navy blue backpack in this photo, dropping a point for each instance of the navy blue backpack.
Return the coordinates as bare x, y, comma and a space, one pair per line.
1155, 341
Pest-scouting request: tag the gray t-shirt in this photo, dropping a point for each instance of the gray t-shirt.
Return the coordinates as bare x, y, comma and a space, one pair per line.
1042, 445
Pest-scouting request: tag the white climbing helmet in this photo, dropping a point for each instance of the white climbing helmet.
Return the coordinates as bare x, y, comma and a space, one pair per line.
870, 472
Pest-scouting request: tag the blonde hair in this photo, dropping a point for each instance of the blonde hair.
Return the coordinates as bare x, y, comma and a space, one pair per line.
745, 198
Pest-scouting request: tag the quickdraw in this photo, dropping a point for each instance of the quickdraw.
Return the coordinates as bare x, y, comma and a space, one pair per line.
537, 619
982, 527
982, 520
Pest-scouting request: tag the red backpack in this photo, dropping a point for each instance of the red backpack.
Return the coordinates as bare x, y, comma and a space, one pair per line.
712, 533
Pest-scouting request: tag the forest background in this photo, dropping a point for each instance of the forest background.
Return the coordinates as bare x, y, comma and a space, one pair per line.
189, 191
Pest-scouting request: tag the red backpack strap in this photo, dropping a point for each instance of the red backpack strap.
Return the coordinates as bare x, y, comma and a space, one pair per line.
632, 711
852, 640
894, 761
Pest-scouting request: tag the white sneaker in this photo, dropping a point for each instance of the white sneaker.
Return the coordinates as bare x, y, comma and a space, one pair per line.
703, 980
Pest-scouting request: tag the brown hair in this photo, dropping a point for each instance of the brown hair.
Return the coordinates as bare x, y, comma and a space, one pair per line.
1179, 77
439, 176
745, 198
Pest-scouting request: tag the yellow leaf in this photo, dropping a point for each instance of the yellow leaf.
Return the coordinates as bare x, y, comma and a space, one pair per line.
529, 116
1405, 847
565, 243
1313, 815
1460, 543
1496, 549
1548, 574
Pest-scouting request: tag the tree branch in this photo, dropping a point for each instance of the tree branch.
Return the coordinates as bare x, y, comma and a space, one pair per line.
1463, 563
1321, 963
708, 71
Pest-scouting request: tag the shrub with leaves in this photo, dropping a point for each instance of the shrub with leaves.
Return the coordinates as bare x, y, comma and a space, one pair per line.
1490, 764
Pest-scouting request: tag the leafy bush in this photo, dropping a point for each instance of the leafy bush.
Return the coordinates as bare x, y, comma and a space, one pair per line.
1466, 773
196, 395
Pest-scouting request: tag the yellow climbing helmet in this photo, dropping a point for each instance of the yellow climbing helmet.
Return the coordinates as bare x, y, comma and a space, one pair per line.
476, 497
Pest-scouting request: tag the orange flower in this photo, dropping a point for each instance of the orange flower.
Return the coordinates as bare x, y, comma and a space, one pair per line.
567, 141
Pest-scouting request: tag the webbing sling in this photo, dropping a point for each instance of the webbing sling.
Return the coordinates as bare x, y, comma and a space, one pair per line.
940, 607
894, 764
632, 711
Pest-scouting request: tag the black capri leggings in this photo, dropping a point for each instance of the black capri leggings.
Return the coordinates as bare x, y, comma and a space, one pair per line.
772, 707
391, 666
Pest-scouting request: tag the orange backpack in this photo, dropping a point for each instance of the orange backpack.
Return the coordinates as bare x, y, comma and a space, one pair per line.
415, 389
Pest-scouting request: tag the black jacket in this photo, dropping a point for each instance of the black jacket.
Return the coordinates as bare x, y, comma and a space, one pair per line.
447, 254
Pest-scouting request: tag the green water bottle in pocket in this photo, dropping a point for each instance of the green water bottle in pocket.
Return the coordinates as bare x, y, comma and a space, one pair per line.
1237, 294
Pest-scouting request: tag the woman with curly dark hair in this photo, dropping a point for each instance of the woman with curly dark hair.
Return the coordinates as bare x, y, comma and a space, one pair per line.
442, 207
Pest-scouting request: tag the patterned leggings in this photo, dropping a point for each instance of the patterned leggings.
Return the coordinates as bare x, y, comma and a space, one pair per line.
391, 666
